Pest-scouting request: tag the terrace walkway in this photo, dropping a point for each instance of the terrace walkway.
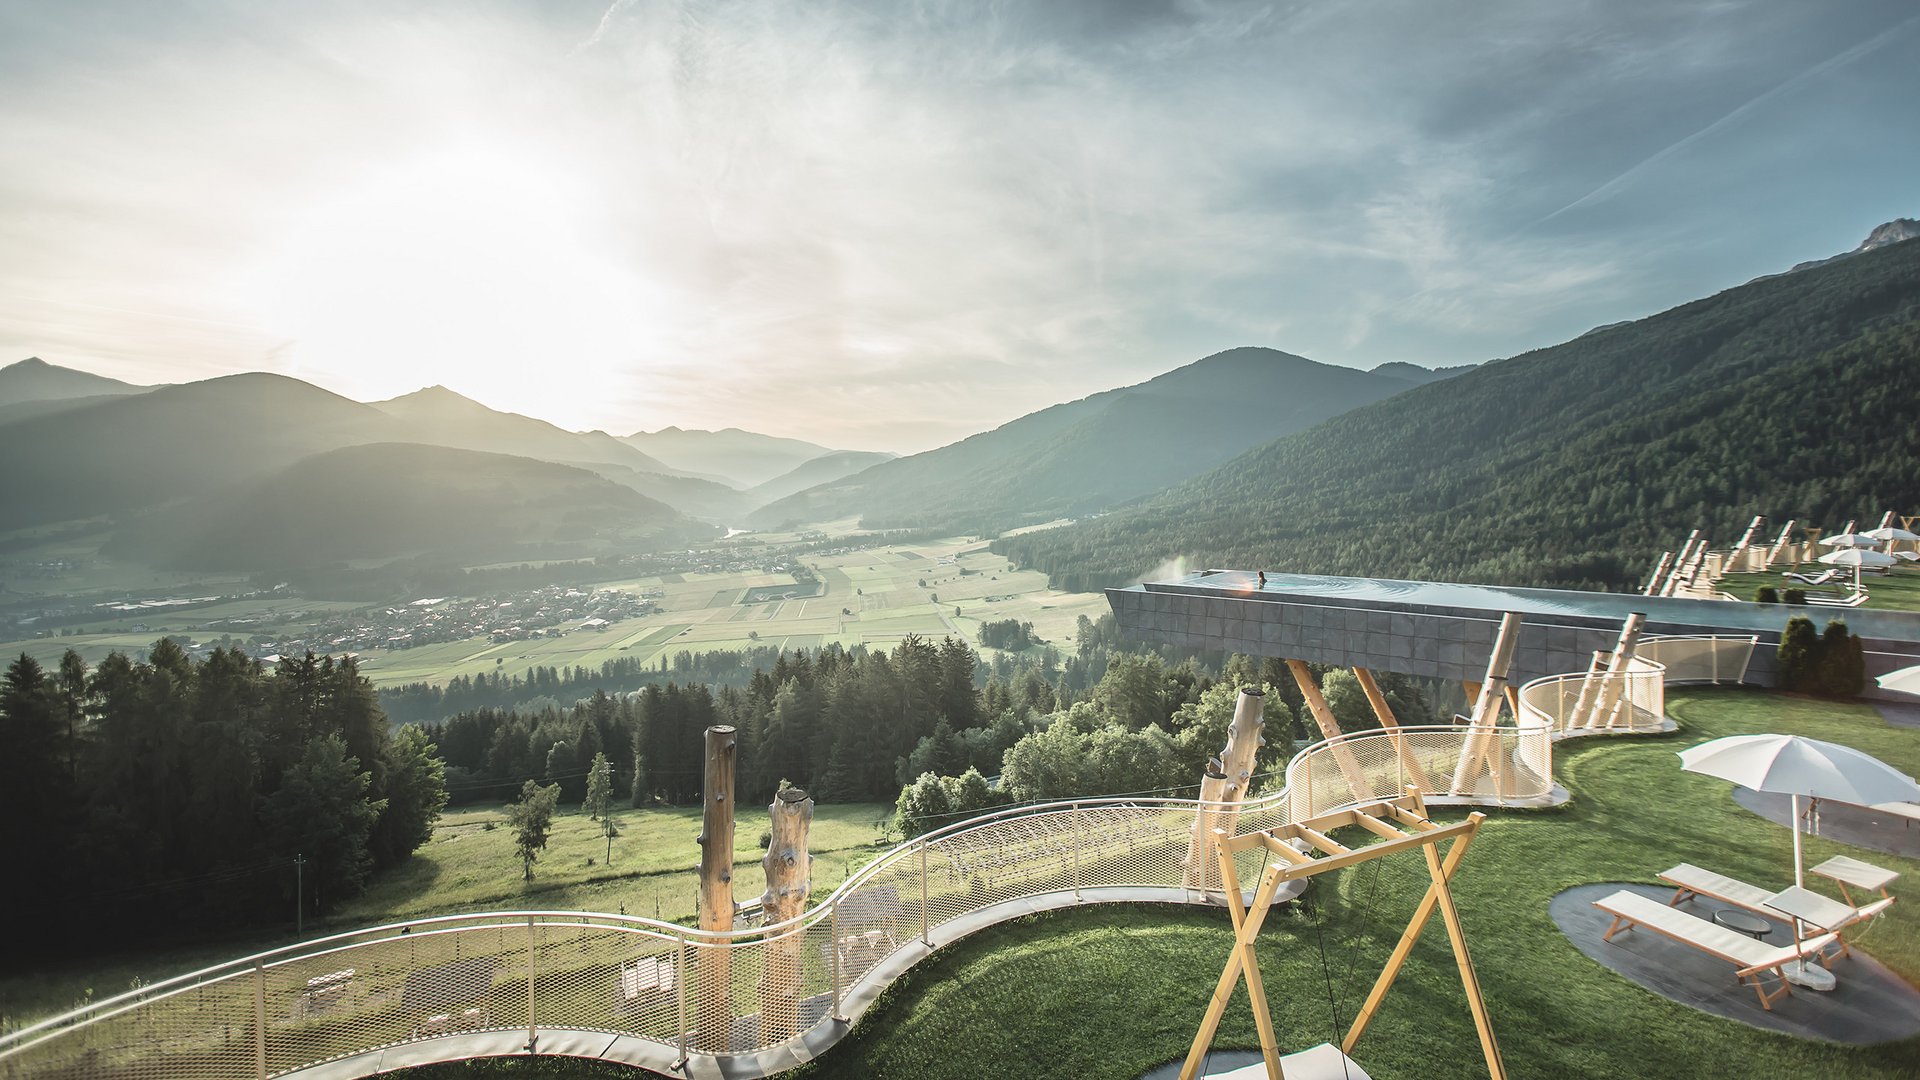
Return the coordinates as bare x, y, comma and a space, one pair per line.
620, 989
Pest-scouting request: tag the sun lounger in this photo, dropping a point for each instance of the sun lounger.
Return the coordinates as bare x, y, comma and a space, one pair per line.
1751, 958
1820, 578
1689, 881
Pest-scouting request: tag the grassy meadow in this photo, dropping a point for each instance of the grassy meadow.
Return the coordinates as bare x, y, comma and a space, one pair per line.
871, 596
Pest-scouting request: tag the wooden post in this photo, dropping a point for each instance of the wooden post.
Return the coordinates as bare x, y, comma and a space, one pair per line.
1235, 765
1408, 937
1329, 729
1469, 979
1780, 545
1384, 713
789, 878
1614, 681
715, 1023
1659, 574
1486, 708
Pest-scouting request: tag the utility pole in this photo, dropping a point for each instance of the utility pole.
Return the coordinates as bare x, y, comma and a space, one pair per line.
299, 893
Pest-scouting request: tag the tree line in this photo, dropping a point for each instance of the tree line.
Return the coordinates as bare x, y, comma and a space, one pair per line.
178, 792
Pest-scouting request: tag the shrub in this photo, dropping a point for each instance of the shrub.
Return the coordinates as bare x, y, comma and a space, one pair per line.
1843, 663
1766, 594
1799, 646
1794, 596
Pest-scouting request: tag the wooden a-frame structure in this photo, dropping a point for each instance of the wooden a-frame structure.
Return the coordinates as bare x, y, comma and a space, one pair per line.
1385, 819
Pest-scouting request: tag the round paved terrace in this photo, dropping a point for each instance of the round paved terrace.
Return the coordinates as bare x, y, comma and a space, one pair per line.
1870, 1005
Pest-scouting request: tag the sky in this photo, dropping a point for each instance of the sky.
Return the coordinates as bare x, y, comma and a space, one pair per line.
889, 224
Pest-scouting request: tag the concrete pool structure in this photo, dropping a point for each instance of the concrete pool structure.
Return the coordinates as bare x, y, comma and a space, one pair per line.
1446, 631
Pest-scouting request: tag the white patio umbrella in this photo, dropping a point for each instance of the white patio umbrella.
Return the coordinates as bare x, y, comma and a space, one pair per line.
1891, 535
1849, 540
1904, 681
1803, 768
1857, 558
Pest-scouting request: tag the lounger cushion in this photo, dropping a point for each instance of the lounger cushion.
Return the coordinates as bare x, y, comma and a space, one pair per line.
1720, 887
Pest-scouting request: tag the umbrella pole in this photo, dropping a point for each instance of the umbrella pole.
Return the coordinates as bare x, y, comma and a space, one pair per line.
1800, 974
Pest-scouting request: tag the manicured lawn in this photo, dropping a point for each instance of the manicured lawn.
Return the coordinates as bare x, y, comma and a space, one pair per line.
1897, 590
1111, 992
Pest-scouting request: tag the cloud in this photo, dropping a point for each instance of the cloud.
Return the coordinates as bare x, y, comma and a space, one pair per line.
879, 224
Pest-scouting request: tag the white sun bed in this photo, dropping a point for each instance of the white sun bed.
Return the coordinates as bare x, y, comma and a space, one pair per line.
1751, 958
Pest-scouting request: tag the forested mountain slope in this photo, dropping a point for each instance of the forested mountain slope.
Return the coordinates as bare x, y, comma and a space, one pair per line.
120, 454
825, 469
33, 379
1089, 454
1793, 396
387, 499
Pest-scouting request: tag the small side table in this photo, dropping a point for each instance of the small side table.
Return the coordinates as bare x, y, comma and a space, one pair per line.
1746, 922
1844, 871
1819, 912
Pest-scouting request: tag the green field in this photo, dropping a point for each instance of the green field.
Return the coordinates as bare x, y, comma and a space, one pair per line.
877, 589
470, 865
870, 596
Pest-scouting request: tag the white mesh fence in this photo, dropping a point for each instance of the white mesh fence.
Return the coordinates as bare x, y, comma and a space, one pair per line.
517, 973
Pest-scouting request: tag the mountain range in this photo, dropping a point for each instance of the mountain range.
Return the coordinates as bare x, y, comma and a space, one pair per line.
1088, 455
1792, 396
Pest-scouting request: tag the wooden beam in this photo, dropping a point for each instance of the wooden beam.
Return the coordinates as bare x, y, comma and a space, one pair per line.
714, 1026
1200, 871
1404, 947
1330, 729
1384, 713
1322, 841
1246, 930
1469, 979
1370, 852
788, 867
1589, 689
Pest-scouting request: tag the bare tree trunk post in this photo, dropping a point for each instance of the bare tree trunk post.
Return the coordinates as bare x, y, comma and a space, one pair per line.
1486, 708
1226, 782
1612, 689
1734, 560
789, 878
1589, 689
1780, 545
714, 1020
1659, 574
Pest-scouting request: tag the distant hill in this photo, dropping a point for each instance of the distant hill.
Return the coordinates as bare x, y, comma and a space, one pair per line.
438, 416
138, 450
1414, 375
824, 469
1574, 465
33, 379
1892, 232
1091, 454
383, 500
743, 458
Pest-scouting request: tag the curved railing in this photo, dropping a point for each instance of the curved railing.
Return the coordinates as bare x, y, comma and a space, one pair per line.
655, 994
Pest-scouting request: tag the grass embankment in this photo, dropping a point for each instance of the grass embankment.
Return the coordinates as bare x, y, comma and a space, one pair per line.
1112, 991
1896, 590
470, 867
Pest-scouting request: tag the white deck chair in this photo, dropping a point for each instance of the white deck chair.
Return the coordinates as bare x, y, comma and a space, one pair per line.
1751, 958
1689, 881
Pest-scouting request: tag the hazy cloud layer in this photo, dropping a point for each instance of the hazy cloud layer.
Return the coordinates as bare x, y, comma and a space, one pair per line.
889, 224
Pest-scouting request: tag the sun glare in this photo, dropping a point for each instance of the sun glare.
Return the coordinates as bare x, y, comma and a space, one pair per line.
474, 268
